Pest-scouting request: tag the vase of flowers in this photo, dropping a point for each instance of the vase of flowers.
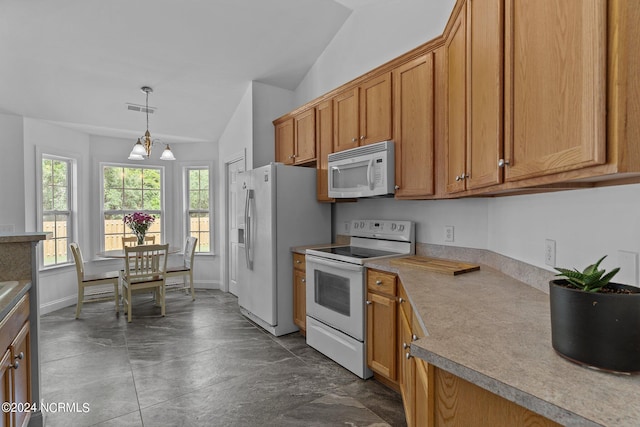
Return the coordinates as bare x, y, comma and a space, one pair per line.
139, 223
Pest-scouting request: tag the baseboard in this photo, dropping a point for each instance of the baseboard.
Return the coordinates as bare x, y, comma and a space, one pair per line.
71, 300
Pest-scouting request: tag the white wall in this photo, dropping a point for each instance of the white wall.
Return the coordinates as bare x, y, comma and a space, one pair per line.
584, 223
269, 103
11, 174
371, 36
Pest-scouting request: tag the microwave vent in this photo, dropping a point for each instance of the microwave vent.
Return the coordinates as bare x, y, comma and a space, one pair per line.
360, 151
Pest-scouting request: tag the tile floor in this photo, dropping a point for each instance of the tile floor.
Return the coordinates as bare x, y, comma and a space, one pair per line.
204, 364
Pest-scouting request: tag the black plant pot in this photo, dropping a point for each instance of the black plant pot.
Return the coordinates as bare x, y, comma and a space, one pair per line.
600, 330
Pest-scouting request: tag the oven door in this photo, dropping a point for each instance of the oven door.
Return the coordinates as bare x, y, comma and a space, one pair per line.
335, 295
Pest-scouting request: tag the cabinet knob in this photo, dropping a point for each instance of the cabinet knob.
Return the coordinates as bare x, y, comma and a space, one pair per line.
414, 337
405, 345
15, 365
368, 302
397, 187
502, 163
303, 280
408, 356
20, 356
378, 282
361, 137
297, 261
458, 178
401, 300
354, 139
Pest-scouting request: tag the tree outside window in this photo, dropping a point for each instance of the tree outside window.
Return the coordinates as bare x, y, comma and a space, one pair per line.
56, 209
127, 190
198, 224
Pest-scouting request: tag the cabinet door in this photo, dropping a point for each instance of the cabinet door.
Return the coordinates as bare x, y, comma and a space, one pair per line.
555, 71
424, 395
305, 136
406, 369
284, 142
381, 334
456, 105
300, 299
414, 127
375, 110
345, 120
324, 138
484, 76
5, 386
22, 374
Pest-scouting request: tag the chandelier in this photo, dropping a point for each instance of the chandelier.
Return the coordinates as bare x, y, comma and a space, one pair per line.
142, 148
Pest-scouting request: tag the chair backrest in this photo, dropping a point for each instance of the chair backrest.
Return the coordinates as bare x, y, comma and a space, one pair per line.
189, 251
77, 258
133, 240
145, 262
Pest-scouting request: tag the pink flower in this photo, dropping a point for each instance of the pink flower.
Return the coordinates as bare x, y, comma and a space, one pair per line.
139, 222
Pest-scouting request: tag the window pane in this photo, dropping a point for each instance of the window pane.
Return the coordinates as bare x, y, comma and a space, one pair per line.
113, 199
194, 178
112, 177
132, 178
204, 179
132, 199
194, 199
151, 178
60, 173
60, 199
204, 200
47, 198
152, 200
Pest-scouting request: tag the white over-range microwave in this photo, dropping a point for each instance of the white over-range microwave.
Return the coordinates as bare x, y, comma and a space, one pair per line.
365, 171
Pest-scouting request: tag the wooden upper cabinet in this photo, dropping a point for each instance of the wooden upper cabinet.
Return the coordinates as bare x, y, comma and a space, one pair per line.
485, 48
284, 142
414, 127
362, 115
324, 139
555, 91
375, 110
456, 104
345, 120
474, 105
305, 136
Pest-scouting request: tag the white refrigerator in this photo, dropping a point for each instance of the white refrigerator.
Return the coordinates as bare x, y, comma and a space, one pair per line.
279, 211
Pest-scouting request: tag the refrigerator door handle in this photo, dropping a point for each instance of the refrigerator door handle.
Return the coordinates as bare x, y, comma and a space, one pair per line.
247, 225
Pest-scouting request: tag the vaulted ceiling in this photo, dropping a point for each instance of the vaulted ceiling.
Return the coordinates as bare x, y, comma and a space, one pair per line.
78, 62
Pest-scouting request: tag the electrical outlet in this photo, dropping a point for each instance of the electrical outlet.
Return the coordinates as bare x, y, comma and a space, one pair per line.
448, 233
550, 252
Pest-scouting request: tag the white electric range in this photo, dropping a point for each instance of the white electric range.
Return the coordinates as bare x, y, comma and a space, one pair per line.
336, 289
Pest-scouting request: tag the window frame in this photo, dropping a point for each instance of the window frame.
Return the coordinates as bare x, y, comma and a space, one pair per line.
162, 212
72, 197
186, 202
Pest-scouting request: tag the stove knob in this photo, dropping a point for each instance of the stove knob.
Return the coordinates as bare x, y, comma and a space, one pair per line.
361, 224
393, 226
401, 227
355, 225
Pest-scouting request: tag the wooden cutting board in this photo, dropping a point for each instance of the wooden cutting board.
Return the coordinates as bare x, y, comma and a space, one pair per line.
437, 265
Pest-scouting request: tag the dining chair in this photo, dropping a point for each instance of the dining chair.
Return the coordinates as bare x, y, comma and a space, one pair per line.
85, 280
133, 240
144, 268
186, 269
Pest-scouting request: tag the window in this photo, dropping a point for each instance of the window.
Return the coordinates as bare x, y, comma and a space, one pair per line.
198, 207
127, 190
56, 209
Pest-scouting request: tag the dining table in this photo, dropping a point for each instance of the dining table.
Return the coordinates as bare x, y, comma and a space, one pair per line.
119, 253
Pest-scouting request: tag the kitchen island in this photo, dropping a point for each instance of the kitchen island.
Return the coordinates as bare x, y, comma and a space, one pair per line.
494, 331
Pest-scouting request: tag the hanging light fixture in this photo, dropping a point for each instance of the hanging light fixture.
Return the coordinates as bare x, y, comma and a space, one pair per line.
142, 148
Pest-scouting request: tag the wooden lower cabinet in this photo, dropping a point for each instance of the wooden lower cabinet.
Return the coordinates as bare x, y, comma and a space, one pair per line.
300, 292
15, 369
381, 324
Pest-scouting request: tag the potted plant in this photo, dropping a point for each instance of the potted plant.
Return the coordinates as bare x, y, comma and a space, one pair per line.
139, 223
595, 322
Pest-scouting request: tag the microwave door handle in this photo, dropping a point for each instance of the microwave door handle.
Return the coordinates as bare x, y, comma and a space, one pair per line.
370, 180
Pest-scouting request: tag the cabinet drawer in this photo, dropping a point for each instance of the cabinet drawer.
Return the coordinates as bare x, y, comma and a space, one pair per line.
12, 323
299, 261
378, 281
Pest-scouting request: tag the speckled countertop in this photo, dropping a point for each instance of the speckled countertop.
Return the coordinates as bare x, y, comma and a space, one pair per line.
494, 331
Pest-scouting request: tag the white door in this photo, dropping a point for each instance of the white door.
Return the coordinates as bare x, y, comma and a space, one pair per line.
233, 212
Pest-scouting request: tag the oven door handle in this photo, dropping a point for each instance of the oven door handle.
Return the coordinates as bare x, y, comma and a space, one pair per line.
334, 264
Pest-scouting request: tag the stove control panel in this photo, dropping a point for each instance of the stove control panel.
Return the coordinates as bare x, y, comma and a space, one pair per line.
383, 229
